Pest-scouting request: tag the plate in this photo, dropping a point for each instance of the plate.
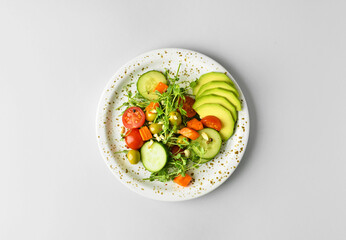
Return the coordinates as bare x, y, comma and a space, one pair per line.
108, 127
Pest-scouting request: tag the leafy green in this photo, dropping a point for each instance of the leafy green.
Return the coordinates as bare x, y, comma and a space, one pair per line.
136, 100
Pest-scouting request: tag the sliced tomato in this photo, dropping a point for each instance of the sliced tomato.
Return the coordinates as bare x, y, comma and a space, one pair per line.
187, 106
176, 149
133, 117
212, 122
133, 139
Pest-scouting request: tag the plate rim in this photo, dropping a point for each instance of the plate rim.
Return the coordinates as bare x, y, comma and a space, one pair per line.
98, 112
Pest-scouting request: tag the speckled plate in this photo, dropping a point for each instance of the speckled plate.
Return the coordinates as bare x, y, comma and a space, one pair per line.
108, 126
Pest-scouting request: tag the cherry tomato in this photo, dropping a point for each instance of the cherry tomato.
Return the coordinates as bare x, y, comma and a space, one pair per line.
212, 122
133, 139
176, 149
133, 117
187, 106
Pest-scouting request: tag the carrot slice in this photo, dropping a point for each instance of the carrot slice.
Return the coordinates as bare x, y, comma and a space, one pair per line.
195, 124
161, 87
188, 132
183, 181
152, 106
145, 133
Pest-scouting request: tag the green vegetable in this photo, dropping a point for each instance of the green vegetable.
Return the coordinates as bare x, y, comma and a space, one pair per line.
148, 81
134, 100
210, 140
217, 84
175, 118
219, 100
154, 156
221, 113
133, 156
155, 128
182, 140
208, 77
230, 96
149, 116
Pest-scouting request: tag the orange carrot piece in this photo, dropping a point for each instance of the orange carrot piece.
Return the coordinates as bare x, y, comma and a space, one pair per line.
152, 106
195, 124
188, 132
145, 133
183, 181
161, 87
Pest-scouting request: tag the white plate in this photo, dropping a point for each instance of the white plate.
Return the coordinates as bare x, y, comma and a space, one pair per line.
108, 126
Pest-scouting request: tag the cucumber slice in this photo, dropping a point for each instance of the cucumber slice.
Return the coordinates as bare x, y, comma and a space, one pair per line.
148, 81
154, 156
211, 146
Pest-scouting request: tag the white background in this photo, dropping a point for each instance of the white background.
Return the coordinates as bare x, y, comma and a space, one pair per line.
289, 59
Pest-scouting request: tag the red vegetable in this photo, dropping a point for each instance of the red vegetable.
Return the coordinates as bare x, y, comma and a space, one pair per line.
152, 106
161, 87
133, 139
133, 117
183, 181
187, 106
212, 122
145, 133
176, 149
195, 124
189, 133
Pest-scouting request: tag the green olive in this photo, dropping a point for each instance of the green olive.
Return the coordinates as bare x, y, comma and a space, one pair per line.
175, 118
155, 128
182, 140
150, 116
133, 156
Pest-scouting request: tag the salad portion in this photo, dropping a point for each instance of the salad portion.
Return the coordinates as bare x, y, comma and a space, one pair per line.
172, 131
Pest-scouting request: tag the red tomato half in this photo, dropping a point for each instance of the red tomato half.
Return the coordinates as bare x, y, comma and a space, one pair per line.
212, 122
187, 106
133, 139
133, 117
176, 149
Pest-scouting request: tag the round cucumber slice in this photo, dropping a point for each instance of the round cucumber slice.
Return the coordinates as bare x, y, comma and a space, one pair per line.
148, 81
210, 140
154, 156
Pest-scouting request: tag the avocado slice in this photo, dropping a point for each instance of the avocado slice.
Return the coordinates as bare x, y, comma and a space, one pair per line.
226, 94
219, 100
211, 76
217, 84
225, 116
